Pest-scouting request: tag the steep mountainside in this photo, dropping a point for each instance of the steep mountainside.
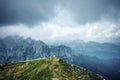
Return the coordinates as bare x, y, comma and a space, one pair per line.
63, 52
51, 68
93, 56
100, 50
17, 49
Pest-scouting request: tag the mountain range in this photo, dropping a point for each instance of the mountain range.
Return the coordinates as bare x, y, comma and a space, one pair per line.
101, 58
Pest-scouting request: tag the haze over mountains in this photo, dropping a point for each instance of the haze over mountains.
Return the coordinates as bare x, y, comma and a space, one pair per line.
81, 32
102, 58
91, 48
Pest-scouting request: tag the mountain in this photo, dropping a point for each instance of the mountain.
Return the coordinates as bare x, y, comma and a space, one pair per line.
62, 51
109, 68
51, 68
101, 58
14, 49
100, 50
18, 49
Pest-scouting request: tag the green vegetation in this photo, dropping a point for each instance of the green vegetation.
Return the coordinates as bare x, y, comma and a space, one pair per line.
51, 68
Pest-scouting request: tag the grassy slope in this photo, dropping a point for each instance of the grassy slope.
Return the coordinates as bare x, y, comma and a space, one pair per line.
45, 69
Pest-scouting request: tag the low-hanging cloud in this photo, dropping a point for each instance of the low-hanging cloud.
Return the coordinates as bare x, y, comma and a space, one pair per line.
98, 31
63, 25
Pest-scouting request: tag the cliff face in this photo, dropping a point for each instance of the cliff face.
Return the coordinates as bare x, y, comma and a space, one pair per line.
51, 68
18, 49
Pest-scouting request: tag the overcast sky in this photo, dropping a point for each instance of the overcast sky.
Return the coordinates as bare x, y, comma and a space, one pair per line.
87, 20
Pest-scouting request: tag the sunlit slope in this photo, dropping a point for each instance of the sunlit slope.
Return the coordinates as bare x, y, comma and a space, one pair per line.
51, 68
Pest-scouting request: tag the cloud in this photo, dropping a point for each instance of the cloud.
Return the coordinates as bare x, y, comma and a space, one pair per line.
92, 10
63, 25
34, 11
98, 31
26, 11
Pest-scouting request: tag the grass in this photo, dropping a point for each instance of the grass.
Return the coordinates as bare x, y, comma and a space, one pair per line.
45, 69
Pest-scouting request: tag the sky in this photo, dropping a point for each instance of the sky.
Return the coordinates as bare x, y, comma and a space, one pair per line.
51, 20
